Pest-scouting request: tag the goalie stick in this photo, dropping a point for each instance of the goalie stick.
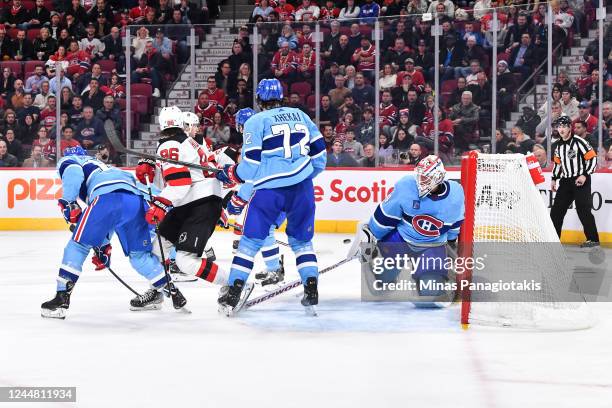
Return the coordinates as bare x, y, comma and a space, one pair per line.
114, 140
287, 287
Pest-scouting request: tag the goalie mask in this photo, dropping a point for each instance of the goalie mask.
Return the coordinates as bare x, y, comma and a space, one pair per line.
429, 173
170, 117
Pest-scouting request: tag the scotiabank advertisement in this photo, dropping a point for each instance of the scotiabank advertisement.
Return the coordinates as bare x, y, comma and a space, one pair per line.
29, 198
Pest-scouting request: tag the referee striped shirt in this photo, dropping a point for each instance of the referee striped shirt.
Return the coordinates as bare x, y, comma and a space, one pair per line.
573, 157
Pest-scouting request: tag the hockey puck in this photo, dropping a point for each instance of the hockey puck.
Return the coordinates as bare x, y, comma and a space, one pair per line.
347, 241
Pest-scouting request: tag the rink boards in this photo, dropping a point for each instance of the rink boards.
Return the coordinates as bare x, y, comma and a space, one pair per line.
343, 196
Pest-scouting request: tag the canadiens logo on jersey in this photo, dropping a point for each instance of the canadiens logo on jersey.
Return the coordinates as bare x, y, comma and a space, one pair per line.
427, 225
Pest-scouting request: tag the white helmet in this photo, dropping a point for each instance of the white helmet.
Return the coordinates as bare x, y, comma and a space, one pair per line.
190, 119
430, 173
170, 117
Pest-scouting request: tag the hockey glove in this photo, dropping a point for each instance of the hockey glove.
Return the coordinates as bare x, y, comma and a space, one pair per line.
228, 175
102, 256
70, 210
236, 205
144, 170
363, 244
159, 207
224, 219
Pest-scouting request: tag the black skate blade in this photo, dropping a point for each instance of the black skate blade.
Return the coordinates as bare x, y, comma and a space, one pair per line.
59, 313
311, 311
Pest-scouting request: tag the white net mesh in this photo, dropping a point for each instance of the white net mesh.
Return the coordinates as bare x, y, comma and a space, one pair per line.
513, 230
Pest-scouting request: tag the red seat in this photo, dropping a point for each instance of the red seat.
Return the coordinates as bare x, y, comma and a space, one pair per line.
107, 66
366, 31
446, 90
12, 33
139, 104
345, 30
301, 88
311, 102
285, 88
29, 66
28, 4
15, 66
145, 90
32, 34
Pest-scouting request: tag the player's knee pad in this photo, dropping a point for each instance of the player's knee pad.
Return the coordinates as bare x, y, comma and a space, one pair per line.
148, 266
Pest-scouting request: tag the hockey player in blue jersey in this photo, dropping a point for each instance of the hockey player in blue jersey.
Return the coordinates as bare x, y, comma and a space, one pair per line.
424, 211
115, 205
282, 152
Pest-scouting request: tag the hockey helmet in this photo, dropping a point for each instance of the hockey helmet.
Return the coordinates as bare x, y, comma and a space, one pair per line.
563, 120
74, 151
190, 119
170, 117
269, 90
430, 173
241, 117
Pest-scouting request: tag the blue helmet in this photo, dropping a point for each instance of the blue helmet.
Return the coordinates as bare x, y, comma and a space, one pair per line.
269, 90
242, 115
74, 151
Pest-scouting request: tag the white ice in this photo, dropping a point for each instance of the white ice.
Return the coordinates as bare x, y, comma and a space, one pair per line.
353, 355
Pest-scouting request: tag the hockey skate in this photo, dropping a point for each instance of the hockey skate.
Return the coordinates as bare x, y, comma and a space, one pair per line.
177, 275
178, 300
57, 307
311, 296
232, 298
152, 299
268, 278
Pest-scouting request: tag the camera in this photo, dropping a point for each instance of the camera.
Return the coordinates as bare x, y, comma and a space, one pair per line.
404, 156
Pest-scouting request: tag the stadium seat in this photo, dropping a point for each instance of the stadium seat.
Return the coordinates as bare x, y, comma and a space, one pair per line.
311, 102
446, 90
107, 66
32, 34
29, 4
366, 31
15, 66
145, 90
12, 33
29, 66
139, 104
301, 88
345, 30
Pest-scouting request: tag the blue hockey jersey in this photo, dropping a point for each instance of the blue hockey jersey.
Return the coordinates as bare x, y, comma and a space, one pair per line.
430, 219
86, 178
282, 147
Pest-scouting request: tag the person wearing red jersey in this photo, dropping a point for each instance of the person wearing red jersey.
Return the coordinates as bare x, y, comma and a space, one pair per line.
364, 56
306, 64
79, 61
138, 13
329, 11
584, 115
215, 94
284, 63
189, 205
205, 109
418, 81
387, 111
285, 11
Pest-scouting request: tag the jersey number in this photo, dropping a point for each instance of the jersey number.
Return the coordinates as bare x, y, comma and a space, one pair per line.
171, 153
284, 130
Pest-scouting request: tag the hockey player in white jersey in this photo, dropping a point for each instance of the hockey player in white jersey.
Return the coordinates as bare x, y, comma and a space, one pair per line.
424, 212
189, 204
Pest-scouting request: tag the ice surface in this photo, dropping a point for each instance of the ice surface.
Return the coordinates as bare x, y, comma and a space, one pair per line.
353, 355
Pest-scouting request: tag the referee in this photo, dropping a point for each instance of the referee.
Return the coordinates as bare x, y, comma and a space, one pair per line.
574, 162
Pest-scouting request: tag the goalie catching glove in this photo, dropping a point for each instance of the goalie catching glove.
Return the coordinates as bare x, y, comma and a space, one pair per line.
145, 170
102, 256
364, 244
71, 210
159, 207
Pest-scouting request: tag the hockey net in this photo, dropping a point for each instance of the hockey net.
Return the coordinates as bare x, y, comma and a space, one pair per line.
507, 222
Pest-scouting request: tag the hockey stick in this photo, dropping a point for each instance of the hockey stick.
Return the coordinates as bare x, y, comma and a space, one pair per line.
114, 140
71, 228
172, 290
290, 285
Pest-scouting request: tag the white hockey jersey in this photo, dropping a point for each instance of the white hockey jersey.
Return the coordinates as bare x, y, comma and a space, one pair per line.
180, 184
